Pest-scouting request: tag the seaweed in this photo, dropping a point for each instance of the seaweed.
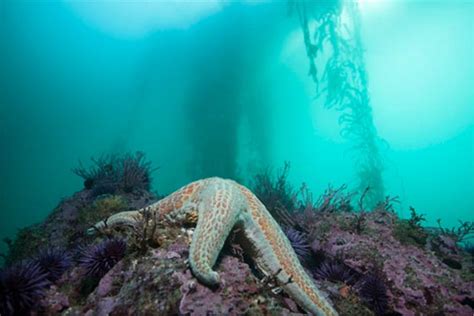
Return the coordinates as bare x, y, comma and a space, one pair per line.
358, 222
334, 200
415, 218
144, 231
276, 193
458, 234
343, 82
387, 205
410, 231
115, 174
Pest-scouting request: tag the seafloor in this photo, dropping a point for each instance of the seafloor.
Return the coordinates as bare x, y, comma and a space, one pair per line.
370, 262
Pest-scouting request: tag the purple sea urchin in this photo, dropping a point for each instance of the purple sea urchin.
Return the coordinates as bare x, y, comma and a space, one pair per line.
373, 292
21, 287
299, 242
97, 260
335, 271
54, 262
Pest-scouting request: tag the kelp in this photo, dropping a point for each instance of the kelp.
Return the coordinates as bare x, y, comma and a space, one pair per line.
331, 31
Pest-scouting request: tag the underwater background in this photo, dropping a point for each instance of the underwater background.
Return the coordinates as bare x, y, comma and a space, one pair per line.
221, 88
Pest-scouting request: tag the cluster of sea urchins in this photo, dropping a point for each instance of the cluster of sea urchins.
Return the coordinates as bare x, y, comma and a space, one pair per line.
371, 288
335, 271
23, 284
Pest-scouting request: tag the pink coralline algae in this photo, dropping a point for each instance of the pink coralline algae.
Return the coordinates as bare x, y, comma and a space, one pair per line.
233, 297
418, 281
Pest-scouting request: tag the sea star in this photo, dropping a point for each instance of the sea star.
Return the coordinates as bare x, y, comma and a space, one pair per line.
220, 205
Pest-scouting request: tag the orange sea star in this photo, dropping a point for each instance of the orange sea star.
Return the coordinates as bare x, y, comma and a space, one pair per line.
221, 205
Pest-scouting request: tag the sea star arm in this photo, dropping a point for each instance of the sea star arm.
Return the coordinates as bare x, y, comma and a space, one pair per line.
275, 255
219, 209
129, 218
173, 207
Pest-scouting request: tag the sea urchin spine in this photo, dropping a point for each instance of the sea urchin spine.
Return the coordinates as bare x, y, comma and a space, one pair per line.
373, 292
54, 262
21, 287
299, 242
99, 259
335, 271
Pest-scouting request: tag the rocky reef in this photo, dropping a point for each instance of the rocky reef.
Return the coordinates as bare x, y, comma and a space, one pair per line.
369, 262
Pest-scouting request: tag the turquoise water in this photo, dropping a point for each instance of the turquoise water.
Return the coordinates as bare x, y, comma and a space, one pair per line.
223, 89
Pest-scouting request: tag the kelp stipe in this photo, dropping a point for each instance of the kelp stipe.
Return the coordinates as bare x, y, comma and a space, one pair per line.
343, 82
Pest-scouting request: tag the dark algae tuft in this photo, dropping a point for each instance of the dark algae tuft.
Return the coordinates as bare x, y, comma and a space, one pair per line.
410, 231
117, 173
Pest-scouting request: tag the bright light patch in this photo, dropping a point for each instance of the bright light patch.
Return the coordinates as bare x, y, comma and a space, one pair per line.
368, 6
365, 3
420, 74
135, 19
